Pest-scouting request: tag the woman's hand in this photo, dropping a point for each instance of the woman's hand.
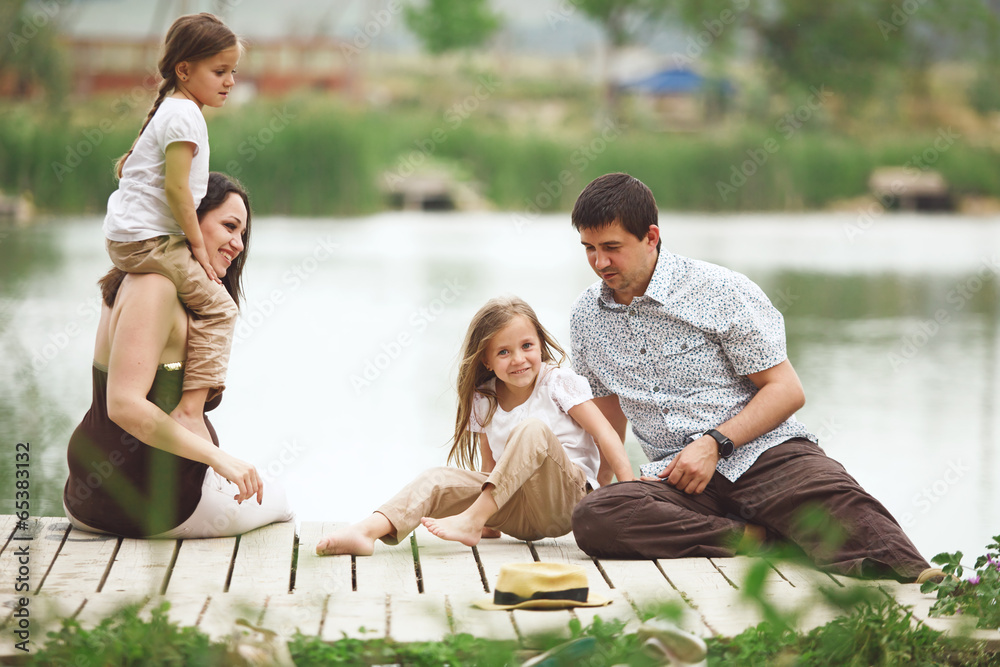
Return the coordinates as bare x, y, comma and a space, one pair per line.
242, 474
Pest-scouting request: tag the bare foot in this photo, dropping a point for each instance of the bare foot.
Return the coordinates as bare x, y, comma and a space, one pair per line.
456, 528
347, 540
491, 533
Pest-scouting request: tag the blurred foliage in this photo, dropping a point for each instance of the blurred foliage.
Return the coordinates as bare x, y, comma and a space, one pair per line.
447, 25
329, 158
848, 46
31, 60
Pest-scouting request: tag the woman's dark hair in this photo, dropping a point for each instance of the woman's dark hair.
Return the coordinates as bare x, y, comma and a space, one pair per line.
220, 187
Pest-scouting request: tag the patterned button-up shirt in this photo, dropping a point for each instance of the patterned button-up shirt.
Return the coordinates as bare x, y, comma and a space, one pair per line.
678, 356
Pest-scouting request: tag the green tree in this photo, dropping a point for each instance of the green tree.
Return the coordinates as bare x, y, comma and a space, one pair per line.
852, 46
31, 60
446, 25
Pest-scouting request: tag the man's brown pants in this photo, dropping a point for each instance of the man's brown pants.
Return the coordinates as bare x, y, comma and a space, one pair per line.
789, 490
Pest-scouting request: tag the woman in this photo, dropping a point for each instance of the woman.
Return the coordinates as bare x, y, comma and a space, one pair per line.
133, 470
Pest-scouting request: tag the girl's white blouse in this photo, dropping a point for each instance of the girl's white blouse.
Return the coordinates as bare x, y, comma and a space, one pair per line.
556, 391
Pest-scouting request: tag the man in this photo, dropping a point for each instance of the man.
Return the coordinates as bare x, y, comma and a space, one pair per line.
693, 355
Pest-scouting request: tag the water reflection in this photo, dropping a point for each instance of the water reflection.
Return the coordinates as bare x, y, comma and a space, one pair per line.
340, 385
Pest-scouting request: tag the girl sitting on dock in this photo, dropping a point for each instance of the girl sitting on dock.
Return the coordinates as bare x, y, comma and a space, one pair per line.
537, 431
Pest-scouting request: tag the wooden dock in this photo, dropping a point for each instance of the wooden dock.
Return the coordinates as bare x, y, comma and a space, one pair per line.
420, 590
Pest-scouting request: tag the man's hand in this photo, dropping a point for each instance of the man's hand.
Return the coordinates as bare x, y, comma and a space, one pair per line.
691, 470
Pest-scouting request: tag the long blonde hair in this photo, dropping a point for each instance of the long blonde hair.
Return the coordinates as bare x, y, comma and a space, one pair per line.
473, 374
191, 38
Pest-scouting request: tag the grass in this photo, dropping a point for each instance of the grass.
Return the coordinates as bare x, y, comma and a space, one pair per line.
315, 156
880, 633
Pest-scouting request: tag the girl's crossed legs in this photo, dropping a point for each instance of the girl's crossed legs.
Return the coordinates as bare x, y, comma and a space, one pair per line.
532, 489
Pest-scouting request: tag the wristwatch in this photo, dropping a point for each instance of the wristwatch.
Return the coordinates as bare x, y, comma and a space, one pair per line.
726, 446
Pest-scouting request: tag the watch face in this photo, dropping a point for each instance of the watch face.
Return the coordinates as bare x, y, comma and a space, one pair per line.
726, 448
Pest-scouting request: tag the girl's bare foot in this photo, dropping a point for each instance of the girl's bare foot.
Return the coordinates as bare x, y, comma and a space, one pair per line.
347, 540
357, 539
458, 528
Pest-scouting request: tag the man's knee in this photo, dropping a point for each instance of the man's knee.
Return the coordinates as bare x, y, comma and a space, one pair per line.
599, 518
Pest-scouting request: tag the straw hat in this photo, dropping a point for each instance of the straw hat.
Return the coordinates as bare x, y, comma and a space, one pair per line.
541, 586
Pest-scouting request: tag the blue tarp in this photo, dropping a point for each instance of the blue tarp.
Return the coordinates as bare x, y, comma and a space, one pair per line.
668, 81
673, 81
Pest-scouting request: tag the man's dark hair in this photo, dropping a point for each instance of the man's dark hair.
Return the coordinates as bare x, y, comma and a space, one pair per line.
616, 197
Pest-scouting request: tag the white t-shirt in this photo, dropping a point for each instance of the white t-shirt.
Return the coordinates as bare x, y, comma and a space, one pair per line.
556, 391
138, 209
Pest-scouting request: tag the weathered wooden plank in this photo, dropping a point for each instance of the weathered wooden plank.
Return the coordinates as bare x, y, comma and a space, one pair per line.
718, 602
737, 568
414, 618
263, 562
642, 583
694, 575
496, 552
389, 570
100, 606
804, 605
202, 566
909, 595
320, 574
355, 615
618, 610
7, 523
81, 564
447, 567
45, 537
471, 620
287, 614
564, 550
219, 619
185, 608
140, 567
802, 575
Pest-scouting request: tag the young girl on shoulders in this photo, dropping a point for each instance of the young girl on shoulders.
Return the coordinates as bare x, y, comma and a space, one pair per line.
151, 224
535, 427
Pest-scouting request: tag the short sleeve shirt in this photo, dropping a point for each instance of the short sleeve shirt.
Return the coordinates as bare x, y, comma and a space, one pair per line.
678, 356
556, 392
138, 209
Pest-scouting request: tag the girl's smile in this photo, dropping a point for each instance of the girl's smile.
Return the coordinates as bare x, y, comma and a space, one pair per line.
515, 357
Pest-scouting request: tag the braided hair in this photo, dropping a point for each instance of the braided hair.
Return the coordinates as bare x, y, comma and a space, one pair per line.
191, 38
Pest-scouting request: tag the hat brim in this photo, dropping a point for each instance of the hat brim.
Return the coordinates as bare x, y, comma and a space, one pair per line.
593, 600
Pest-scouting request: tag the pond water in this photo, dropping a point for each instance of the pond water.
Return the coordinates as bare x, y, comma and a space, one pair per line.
341, 377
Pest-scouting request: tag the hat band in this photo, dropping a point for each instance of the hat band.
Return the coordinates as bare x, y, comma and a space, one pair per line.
573, 594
